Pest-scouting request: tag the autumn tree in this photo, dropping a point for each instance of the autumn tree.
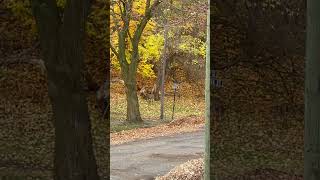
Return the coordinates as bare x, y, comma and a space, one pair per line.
186, 25
312, 100
129, 20
61, 39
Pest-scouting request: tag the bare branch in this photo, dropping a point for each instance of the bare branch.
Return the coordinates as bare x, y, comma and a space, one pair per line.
113, 49
147, 5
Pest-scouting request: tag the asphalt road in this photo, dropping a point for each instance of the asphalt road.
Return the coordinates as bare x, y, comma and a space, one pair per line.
146, 159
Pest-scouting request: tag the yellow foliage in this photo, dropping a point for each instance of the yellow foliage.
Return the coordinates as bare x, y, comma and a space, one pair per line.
149, 46
193, 45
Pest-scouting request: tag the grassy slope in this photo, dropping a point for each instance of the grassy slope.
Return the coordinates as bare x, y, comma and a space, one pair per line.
150, 110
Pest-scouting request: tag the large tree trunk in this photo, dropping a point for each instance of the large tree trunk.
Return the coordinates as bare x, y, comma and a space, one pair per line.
62, 50
74, 158
312, 94
133, 112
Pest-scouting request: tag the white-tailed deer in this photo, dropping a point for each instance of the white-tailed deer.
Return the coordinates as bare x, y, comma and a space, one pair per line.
146, 95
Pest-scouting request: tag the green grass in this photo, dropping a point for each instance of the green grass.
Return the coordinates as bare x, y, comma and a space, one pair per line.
150, 111
128, 126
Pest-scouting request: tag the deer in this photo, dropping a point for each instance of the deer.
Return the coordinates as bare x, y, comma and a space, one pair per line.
146, 95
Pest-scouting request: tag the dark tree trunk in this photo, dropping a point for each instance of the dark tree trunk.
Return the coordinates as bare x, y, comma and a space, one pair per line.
74, 158
62, 50
312, 93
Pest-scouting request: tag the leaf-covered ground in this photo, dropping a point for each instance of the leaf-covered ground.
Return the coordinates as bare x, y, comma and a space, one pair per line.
240, 146
194, 170
26, 131
251, 149
187, 124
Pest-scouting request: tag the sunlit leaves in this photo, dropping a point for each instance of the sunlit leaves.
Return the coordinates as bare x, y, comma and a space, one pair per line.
149, 45
193, 45
152, 46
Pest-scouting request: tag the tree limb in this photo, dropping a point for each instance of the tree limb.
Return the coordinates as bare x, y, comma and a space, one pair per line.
44, 12
113, 49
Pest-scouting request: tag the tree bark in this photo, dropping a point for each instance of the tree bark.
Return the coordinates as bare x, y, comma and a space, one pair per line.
208, 95
312, 93
133, 111
164, 64
74, 158
62, 50
157, 85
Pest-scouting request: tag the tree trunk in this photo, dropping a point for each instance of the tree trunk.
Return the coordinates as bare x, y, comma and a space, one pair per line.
157, 85
208, 117
62, 51
312, 93
74, 158
164, 64
133, 112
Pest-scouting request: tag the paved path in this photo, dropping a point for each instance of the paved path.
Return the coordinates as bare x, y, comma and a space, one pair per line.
146, 159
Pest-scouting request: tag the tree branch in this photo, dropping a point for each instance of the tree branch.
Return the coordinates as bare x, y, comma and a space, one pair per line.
144, 20
48, 24
113, 49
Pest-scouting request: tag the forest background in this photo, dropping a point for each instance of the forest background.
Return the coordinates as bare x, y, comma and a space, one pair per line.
258, 53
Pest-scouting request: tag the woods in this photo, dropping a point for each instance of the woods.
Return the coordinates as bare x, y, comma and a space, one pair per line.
129, 64
136, 45
82, 79
55, 96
